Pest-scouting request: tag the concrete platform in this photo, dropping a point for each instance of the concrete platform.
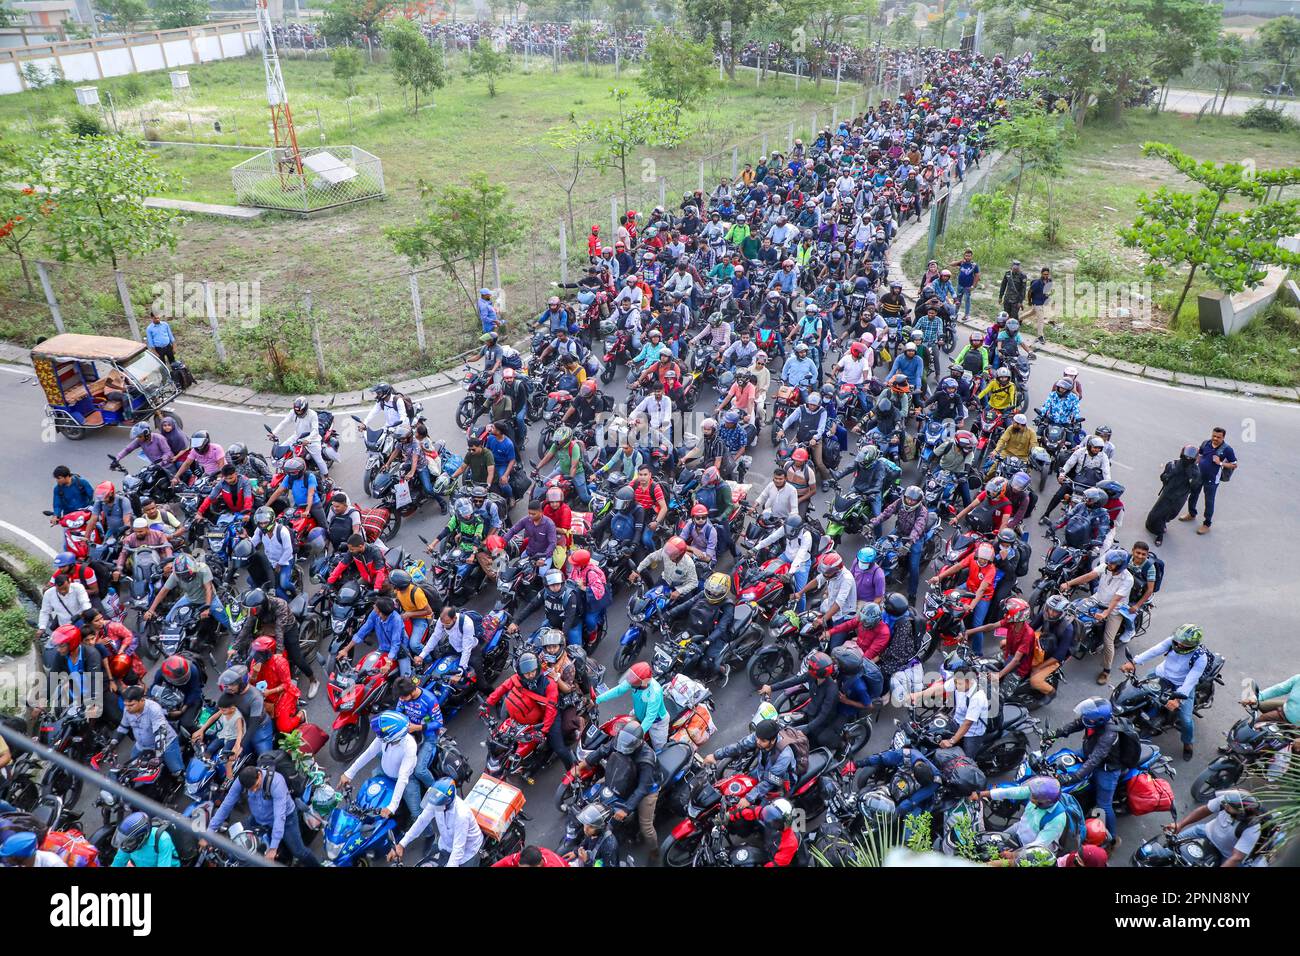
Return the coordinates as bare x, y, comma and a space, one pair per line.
205, 208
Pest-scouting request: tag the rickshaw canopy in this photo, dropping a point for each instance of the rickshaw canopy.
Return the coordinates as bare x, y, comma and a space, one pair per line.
88, 347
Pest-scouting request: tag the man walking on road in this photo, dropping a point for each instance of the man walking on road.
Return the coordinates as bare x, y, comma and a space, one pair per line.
1179, 480
1013, 290
1217, 461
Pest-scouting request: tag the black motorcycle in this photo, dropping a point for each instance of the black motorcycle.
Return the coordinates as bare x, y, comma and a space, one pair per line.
1247, 749
1143, 700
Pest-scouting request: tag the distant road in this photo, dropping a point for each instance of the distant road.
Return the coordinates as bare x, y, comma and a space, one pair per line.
1191, 101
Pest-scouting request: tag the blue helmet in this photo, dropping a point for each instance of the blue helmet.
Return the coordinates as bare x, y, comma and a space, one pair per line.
19, 846
870, 614
867, 556
442, 793
132, 831
65, 559
1094, 712
391, 726
1044, 790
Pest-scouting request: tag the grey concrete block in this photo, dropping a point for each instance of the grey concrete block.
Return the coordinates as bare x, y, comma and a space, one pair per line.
1186, 378
1130, 368
1159, 374
1222, 384
1101, 361
1280, 392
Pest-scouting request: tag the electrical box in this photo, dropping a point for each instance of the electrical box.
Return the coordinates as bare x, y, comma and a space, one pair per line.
87, 95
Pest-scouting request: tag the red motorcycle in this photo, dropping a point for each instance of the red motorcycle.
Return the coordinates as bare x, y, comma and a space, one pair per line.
515, 749
945, 620
787, 399
301, 523
769, 585
987, 430
80, 533
616, 348
356, 693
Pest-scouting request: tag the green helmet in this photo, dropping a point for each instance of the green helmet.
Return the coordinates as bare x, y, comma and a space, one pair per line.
562, 435
868, 455
1035, 856
1188, 636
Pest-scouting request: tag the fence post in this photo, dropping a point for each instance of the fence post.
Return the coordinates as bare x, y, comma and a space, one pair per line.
564, 253
853, 108
124, 294
812, 130
701, 175
663, 188
735, 158
49, 296
315, 337
764, 152
496, 269
613, 216
789, 144
211, 309
418, 312
835, 115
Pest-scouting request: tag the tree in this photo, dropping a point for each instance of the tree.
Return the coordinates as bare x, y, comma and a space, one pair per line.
99, 185
348, 65
7, 16
462, 226
416, 64
1225, 56
1233, 247
562, 138
651, 123
173, 14
725, 23
347, 21
1003, 27
487, 61
676, 70
582, 40
1034, 136
624, 14
22, 208
1280, 39
126, 14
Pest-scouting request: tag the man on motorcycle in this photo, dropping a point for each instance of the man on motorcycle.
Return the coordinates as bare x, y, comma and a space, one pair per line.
1182, 662
561, 602
233, 494
1057, 632
773, 766
1087, 522
872, 475
1101, 756
591, 580
153, 446
460, 839
839, 589
1016, 441
270, 804
782, 842
911, 520
193, 579
146, 721
302, 423
303, 489
420, 708
701, 536
466, 527
539, 535
709, 614
386, 625
396, 749
648, 707
625, 521
532, 699
363, 561
140, 537
871, 637
808, 424
1044, 819
598, 846
1062, 405
675, 566
1114, 583
389, 406
1232, 821
568, 454
1087, 466
631, 773
799, 370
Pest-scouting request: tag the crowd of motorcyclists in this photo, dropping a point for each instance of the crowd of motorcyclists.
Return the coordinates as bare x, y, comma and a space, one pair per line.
907, 454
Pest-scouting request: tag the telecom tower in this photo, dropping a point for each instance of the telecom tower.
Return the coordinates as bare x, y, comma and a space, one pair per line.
287, 155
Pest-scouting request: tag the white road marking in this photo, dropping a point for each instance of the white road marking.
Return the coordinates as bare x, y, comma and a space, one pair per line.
31, 538
1120, 464
226, 408
16, 370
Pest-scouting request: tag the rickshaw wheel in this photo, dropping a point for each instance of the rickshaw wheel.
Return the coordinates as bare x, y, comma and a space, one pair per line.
72, 432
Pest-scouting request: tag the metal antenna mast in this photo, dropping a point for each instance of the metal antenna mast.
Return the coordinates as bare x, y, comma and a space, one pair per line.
286, 137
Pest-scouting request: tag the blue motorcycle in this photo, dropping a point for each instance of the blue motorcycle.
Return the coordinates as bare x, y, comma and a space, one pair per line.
932, 435
451, 695
356, 831
645, 611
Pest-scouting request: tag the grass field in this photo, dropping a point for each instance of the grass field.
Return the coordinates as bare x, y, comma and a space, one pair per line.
1105, 175
342, 257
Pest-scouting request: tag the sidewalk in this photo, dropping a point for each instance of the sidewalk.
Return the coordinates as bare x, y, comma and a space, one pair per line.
917, 232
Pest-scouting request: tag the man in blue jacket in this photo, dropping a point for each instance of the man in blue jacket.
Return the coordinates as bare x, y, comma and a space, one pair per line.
910, 365
270, 804
71, 493
389, 630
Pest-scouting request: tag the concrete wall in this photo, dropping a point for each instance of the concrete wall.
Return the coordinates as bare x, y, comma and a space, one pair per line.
85, 61
1220, 314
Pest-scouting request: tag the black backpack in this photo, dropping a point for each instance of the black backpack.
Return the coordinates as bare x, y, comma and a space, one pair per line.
1128, 744
184, 839
1160, 570
280, 761
410, 407
1024, 554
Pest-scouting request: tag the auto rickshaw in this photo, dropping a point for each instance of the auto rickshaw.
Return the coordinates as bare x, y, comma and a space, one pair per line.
97, 381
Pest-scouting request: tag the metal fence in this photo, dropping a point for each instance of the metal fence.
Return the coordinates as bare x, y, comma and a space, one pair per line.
331, 176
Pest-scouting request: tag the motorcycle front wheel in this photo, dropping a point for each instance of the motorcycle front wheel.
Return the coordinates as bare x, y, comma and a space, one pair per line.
465, 413
770, 665
1220, 775
349, 740
627, 655
607, 374
679, 853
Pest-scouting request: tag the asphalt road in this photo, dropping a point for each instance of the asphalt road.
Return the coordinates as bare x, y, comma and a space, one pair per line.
1191, 101
1233, 582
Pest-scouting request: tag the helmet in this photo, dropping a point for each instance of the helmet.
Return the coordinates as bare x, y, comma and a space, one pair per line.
1239, 803
793, 526
1095, 443
965, 440
464, 507
630, 738
868, 455
675, 548
638, 675
1044, 790
300, 404
103, 490
296, 466
1104, 431
1189, 636
66, 635
1113, 488
478, 491
710, 476
623, 498
200, 440
263, 516
778, 812
1013, 325
912, 495
133, 831
799, 456
1094, 711
580, 558
820, 666
551, 637
140, 430
176, 670
830, 563
562, 435
263, 647
814, 399
1016, 610
857, 348
1095, 497
717, 588
1020, 481
183, 567
995, 487
390, 726
382, 390
233, 679
1116, 556
801, 348
594, 815
948, 384
1003, 373
867, 556
1007, 536
883, 405
1094, 832
254, 598
554, 576
527, 666
1035, 855
870, 614
1064, 386
65, 559
896, 605
554, 495
1056, 604
442, 793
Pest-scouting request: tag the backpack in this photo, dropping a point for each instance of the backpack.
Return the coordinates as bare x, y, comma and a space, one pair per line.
182, 377
1160, 570
1128, 745
1078, 529
798, 741
409, 406
1074, 821
280, 761
477, 619
1024, 555
431, 595
184, 839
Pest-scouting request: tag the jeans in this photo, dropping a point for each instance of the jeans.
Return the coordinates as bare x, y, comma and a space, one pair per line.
292, 840
426, 479
978, 613
264, 738
1210, 491
914, 569
800, 579
963, 300
521, 431
591, 620
579, 485
218, 612
1184, 720
171, 756
1104, 783
555, 737
419, 628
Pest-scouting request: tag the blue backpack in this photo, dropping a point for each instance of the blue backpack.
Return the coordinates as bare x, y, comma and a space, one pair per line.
1074, 821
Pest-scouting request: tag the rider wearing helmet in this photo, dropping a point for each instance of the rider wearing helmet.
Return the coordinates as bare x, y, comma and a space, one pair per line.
871, 635
675, 567
467, 527
973, 357
459, 836
151, 444
782, 843
873, 475
193, 579
770, 763
631, 777
597, 595
1020, 642
1087, 466
911, 524
1114, 584
1057, 633
532, 698
567, 451
978, 574
1062, 404
648, 707
1183, 659
992, 506
597, 845
1101, 753
303, 424
839, 589
204, 452
808, 424
1043, 822
820, 715
708, 615
1232, 821
179, 672
389, 407
140, 843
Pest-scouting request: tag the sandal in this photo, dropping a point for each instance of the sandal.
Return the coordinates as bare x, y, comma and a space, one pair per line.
1103, 677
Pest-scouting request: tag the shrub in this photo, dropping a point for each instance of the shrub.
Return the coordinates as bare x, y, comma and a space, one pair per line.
1097, 263
15, 632
82, 122
8, 591
1261, 116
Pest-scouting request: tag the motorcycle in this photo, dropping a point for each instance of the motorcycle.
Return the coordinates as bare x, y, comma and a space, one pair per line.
854, 736
1247, 747
617, 348
1142, 700
141, 585
988, 429
515, 749
933, 432
1005, 741
475, 403
345, 609
356, 832
1092, 631
357, 693
793, 635
645, 613
1060, 564
70, 733
379, 443
81, 533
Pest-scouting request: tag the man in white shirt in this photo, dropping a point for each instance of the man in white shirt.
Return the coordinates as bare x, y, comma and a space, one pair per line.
779, 497
388, 408
459, 836
839, 589
302, 422
656, 409
396, 749
62, 604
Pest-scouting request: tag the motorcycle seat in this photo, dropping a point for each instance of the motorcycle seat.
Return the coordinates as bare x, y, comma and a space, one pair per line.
1147, 752
817, 762
671, 760
298, 605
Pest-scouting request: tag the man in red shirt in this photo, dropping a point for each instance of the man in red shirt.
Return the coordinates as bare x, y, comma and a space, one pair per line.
1021, 642
650, 496
980, 572
532, 698
531, 856
994, 497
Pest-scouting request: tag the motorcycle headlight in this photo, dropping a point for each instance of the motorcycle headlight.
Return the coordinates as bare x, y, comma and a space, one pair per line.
332, 849
337, 626
900, 740
193, 789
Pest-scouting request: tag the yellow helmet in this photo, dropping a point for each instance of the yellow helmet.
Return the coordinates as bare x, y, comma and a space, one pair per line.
717, 588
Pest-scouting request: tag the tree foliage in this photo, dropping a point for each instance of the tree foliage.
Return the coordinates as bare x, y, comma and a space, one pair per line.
22, 207
461, 227
416, 65
487, 61
173, 14
1035, 137
348, 64
724, 22
1201, 231
348, 21
676, 70
126, 14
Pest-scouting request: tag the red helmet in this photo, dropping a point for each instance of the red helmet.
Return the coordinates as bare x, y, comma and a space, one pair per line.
263, 647
580, 558
699, 511
103, 490
674, 548
494, 543
820, 666
639, 674
588, 387
176, 669
800, 456
857, 348
1094, 831
66, 635
830, 563
119, 665
1016, 610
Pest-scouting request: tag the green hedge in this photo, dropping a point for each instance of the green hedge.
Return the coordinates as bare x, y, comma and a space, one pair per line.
15, 632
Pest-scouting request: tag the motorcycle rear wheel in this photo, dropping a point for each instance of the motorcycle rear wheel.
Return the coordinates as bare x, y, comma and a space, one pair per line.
1213, 779
350, 740
607, 374
465, 413
771, 664
679, 853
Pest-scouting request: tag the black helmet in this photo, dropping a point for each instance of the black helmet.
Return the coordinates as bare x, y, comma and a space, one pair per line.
400, 579
623, 498
383, 390
237, 453
254, 598
630, 738
243, 550
527, 666
896, 604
